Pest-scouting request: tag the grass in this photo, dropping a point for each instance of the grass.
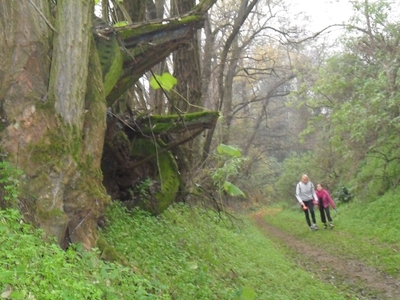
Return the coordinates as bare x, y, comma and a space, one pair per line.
194, 257
191, 253
183, 254
368, 232
34, 269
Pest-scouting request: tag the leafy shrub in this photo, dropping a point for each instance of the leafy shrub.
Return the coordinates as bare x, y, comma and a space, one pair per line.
343, 194
378, 173
293, 168
230, 161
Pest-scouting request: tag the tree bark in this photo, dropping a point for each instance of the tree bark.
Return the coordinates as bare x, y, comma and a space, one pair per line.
53, 112
67, 87
186, 67
50, 131
187, 93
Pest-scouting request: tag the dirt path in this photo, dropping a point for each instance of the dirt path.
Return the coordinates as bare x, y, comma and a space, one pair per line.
367, 282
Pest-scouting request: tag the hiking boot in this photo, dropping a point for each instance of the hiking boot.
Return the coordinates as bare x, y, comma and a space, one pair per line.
331, 226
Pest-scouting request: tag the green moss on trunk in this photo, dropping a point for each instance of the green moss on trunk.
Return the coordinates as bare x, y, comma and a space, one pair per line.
167, 173
157, 124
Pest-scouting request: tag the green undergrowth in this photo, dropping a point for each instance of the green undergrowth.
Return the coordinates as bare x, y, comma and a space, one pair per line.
34, 269
191, 253
185, 253
365, 231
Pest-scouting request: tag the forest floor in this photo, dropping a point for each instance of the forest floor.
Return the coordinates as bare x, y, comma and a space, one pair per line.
365, 281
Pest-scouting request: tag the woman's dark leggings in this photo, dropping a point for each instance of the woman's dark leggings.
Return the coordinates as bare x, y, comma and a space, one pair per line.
324, 211
310, 206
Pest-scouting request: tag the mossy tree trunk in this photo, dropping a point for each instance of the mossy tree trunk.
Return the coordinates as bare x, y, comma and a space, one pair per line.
53, 114
187, 97
53, 107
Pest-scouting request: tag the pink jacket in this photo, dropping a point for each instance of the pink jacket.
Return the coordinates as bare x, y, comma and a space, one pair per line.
326, 199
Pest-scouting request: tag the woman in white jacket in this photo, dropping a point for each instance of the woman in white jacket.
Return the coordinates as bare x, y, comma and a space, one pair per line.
305, 194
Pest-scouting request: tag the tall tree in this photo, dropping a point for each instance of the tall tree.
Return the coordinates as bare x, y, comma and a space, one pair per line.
53, 104
186, 67
241, 37
187, 94
54, 113
357, 100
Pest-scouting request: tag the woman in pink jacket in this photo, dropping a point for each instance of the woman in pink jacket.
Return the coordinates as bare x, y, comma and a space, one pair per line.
324, 201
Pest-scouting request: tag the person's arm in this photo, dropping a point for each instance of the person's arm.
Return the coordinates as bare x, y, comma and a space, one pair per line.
330, 200
298, 194
314, 194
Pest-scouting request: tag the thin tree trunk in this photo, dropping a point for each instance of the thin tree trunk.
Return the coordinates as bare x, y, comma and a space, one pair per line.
222, 84
186, 68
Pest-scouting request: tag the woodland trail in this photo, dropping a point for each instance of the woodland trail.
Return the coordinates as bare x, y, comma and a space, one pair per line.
365, 281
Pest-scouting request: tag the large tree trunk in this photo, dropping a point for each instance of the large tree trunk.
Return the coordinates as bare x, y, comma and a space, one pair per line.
53, 105
54, 125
